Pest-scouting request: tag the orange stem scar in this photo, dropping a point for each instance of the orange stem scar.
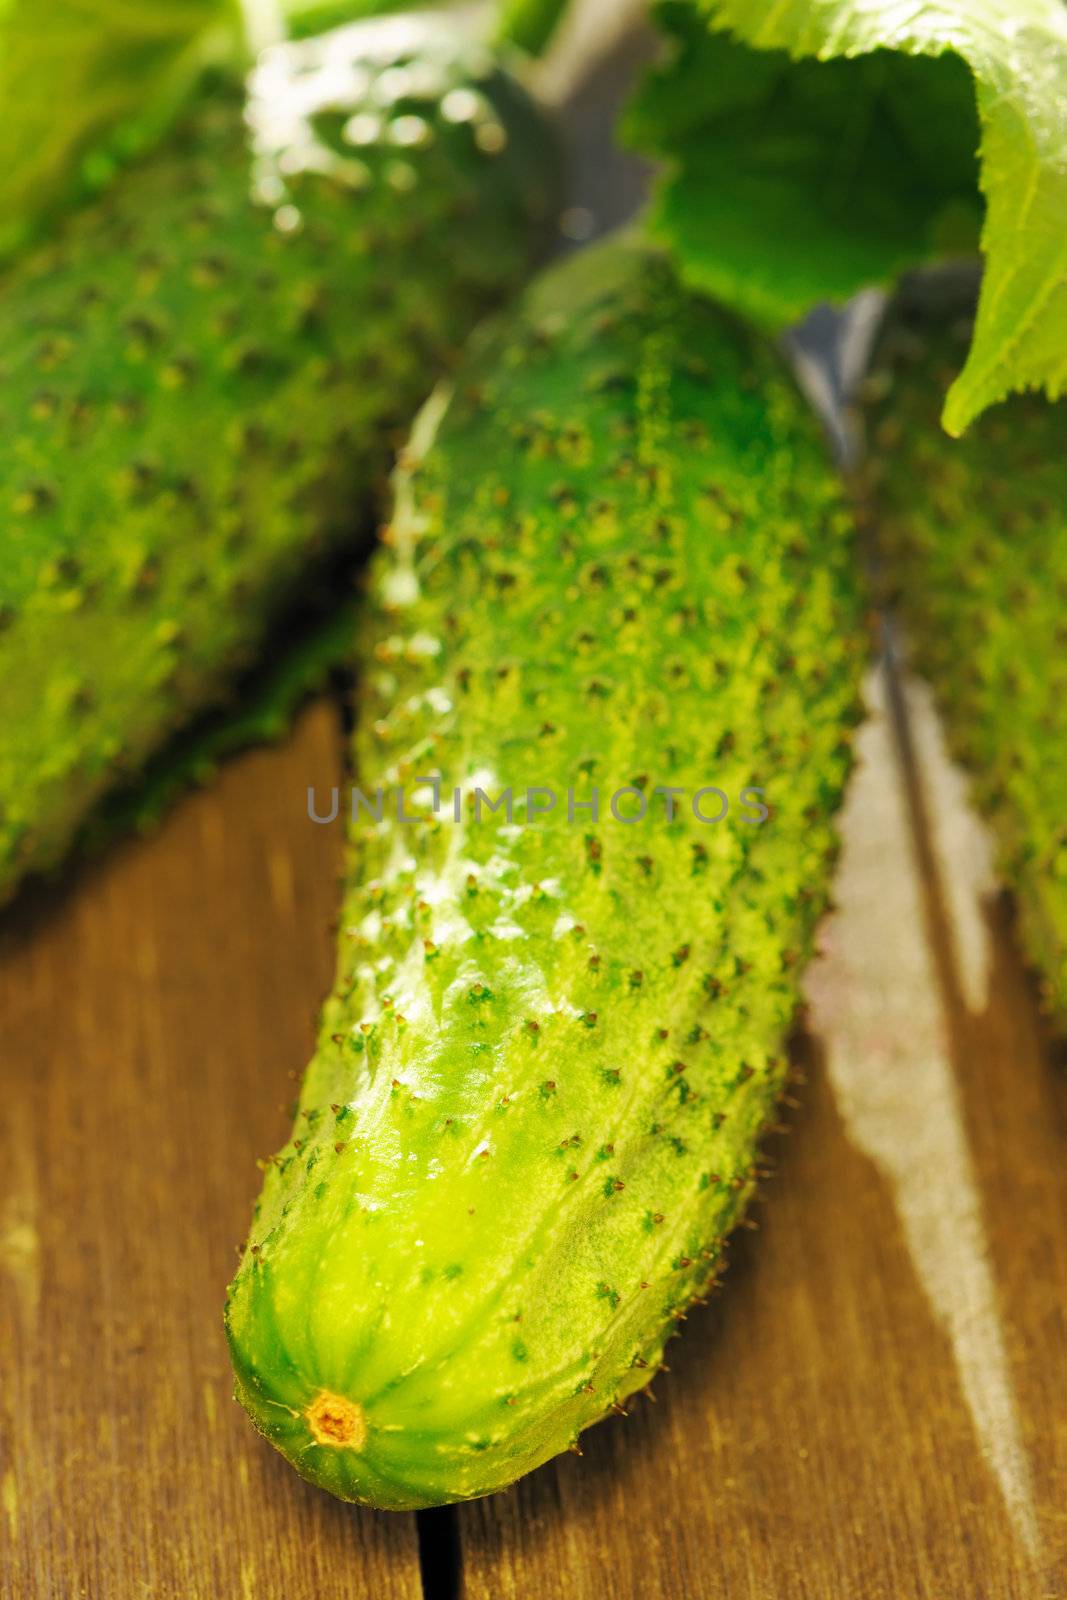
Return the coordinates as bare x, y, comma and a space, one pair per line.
333, 1420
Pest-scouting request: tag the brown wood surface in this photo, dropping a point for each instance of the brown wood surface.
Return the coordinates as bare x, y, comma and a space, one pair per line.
813, 1438
152, 1015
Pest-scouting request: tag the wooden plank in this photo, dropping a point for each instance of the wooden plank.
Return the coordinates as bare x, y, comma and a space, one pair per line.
152, 1014
873, 1406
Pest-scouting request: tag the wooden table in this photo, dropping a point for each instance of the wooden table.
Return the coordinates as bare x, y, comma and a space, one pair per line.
873, 1406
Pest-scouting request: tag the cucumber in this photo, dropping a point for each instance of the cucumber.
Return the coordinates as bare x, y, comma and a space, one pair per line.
618, 561
971, 536
203, 376
264, 706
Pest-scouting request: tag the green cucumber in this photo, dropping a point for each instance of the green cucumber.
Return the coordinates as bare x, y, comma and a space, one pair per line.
203, 377
260, 711
619, 560
971, 536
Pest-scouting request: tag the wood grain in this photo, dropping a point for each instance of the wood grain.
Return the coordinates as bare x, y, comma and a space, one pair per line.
153, 1012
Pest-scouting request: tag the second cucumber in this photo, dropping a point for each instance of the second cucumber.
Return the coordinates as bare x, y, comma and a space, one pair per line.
203, 376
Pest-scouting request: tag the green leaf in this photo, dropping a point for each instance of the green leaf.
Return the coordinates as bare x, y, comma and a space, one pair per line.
820, 146
86, 83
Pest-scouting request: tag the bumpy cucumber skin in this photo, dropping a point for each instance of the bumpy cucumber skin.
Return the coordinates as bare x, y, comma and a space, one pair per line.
972, 537
267, 705
203, 379
533, 1113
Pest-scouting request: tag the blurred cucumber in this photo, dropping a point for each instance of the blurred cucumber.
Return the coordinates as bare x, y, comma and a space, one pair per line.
970, 539
204, 375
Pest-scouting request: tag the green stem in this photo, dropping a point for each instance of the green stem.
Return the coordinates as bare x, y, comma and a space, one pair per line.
530, 24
